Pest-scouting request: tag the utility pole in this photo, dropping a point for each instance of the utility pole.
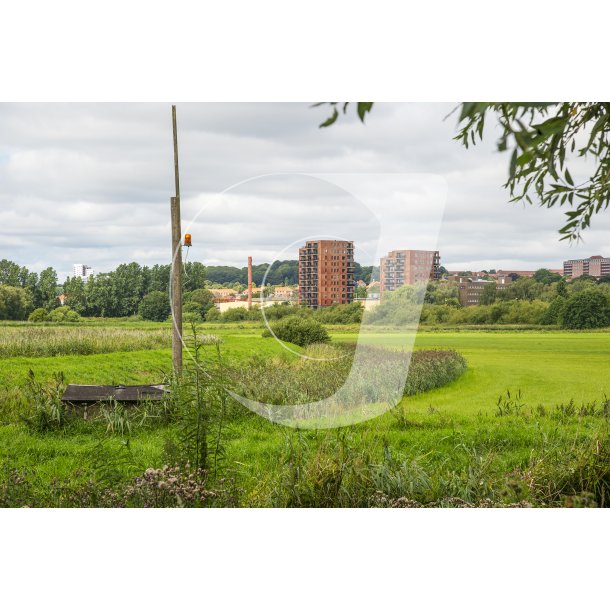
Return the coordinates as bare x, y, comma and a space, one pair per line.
176, 279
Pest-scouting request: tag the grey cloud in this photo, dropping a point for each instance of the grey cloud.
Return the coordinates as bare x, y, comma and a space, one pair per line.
91, 183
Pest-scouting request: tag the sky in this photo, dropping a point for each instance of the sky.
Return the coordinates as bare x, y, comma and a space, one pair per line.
91, 183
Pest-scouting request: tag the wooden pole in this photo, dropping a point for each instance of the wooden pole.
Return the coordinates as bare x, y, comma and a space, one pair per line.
176, 279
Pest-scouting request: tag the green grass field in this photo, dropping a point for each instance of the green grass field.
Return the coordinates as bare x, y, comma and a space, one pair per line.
450, 430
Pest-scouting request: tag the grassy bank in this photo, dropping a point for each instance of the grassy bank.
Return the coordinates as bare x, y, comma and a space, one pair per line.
453, 445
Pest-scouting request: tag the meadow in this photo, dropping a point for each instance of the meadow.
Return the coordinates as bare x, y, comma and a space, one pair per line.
526, 424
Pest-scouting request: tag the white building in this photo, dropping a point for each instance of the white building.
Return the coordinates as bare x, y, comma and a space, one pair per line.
84, 272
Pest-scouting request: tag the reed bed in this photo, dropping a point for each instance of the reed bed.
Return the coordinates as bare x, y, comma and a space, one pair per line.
68, 341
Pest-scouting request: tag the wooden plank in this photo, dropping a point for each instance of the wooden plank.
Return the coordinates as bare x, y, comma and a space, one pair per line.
97, 393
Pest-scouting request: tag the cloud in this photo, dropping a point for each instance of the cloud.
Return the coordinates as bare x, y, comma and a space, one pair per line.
91, 183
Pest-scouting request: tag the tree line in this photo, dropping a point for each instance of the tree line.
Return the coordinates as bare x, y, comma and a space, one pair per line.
280, 273
117, 293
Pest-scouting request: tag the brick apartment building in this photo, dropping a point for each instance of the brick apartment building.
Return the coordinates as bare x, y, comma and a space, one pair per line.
326, 273
401, 267
470, 289
596, 266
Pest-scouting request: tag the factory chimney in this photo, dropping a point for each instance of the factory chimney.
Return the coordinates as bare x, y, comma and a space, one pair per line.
249, 282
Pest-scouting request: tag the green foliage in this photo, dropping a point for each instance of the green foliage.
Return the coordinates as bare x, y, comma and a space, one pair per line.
15, 303
63, 314
489, 294
155, 306
199, 301
76, 298
587, 309
362, 108
554, 314
500, 312
298, 330
48, 412
47, 286
349, 313
546, 140
38, 315
41, 341
544, 276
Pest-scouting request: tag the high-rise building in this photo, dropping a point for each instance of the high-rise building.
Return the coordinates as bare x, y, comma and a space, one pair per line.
402, 267
84, 272
326, 273
596, 266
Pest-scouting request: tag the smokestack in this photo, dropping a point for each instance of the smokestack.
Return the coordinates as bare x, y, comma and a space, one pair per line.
249, 282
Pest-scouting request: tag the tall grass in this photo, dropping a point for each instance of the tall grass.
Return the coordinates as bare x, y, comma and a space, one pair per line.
40, 341
325, 369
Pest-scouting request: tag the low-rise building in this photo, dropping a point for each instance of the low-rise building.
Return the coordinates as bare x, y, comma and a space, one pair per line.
285, 293
223, 293
470, 288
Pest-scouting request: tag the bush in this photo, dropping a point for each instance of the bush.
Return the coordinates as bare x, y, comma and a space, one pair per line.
587, 309
192, 312
38, 315
213, 315
350, 313
554, 314
63, 314
199, 301
155, 306
298, 330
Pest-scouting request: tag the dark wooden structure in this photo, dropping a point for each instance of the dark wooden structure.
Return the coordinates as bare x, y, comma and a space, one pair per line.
130, 394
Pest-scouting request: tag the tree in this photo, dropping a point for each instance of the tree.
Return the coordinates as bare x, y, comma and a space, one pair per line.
9, 273
544, 276
99, 293
546, 138
194, 276
74, 289
128, 288
202, 299
48, 288
15, 303
155, 306
587, 309
554, 314
562, 289
489, 294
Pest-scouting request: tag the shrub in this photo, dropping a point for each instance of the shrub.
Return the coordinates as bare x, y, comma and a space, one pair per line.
155, 306
350, 313
199, 301
587, 309
192, 312
213, 315
554, 314
63, 314
298, 330
38, 315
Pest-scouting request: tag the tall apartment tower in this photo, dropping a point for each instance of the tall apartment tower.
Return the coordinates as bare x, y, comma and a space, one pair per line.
326, 273
83, 271
596, 266
402, 267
